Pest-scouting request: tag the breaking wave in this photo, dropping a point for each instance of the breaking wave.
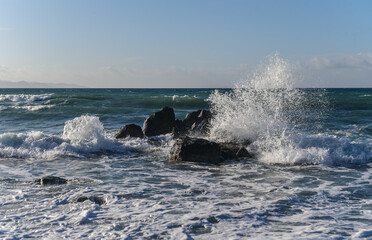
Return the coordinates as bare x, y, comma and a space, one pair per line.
25, 97
268, 111
82, 136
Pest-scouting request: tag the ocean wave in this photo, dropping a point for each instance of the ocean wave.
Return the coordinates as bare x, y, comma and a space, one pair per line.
25, 97
34, 108
312, 149
82, 136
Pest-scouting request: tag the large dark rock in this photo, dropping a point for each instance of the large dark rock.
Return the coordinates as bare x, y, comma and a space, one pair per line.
228, 154
161, 122
195, 150
131, 130
51, 180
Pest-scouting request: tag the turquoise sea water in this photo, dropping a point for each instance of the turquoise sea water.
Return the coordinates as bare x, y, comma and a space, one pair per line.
311, 177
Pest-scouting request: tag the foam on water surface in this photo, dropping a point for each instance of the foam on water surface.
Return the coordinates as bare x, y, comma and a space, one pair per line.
81, 136
25, 97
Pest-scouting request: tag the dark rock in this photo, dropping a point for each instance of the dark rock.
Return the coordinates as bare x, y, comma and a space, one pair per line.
161, 122
212, 220
201, 127
198, 121
236, 148
95, 199
230, 145
205, 115
179, 130
82, 199
243, 152
191, 118
51, 180
131, 130
154, 142
228, 154
195, 150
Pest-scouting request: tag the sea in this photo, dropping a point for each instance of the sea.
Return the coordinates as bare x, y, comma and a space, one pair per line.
310, 177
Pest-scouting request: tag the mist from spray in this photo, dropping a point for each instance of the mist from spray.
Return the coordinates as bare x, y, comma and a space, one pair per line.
266, 110
256, 108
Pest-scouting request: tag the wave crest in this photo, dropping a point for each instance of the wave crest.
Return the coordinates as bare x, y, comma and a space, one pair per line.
25, 97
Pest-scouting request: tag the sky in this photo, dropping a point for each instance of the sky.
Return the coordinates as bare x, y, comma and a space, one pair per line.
174, 43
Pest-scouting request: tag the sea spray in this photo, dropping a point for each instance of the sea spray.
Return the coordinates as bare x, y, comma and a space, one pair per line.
257, 108
269, 112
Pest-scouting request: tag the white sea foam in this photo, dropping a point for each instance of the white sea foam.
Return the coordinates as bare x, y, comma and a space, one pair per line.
25, 97
81, 136
35, 107
265, 110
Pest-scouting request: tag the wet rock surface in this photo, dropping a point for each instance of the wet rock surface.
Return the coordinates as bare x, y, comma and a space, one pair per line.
161, 122
195, 150
95, 199
51, 180
130, 130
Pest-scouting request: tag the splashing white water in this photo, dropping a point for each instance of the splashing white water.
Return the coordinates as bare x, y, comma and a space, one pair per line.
256, 109
25, 97
266, 110
81, 136
84, 130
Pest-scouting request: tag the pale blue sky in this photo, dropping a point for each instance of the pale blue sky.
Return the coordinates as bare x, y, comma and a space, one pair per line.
168, 43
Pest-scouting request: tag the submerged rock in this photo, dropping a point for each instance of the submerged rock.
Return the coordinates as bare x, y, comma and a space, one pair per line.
130, 130
195, 150
161, 122
95, 199
51, 180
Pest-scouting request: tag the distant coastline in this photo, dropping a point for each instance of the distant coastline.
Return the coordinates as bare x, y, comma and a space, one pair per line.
24, 84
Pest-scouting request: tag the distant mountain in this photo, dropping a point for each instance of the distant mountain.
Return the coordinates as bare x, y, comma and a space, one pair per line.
23, 84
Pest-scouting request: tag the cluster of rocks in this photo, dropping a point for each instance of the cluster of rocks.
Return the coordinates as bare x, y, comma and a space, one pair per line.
164, 122
186, 148
54, 180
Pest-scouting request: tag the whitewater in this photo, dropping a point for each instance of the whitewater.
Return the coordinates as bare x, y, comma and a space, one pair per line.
310, 177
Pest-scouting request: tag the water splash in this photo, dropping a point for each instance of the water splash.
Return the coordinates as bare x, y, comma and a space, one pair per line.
267, 110
256, 108
82, 136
